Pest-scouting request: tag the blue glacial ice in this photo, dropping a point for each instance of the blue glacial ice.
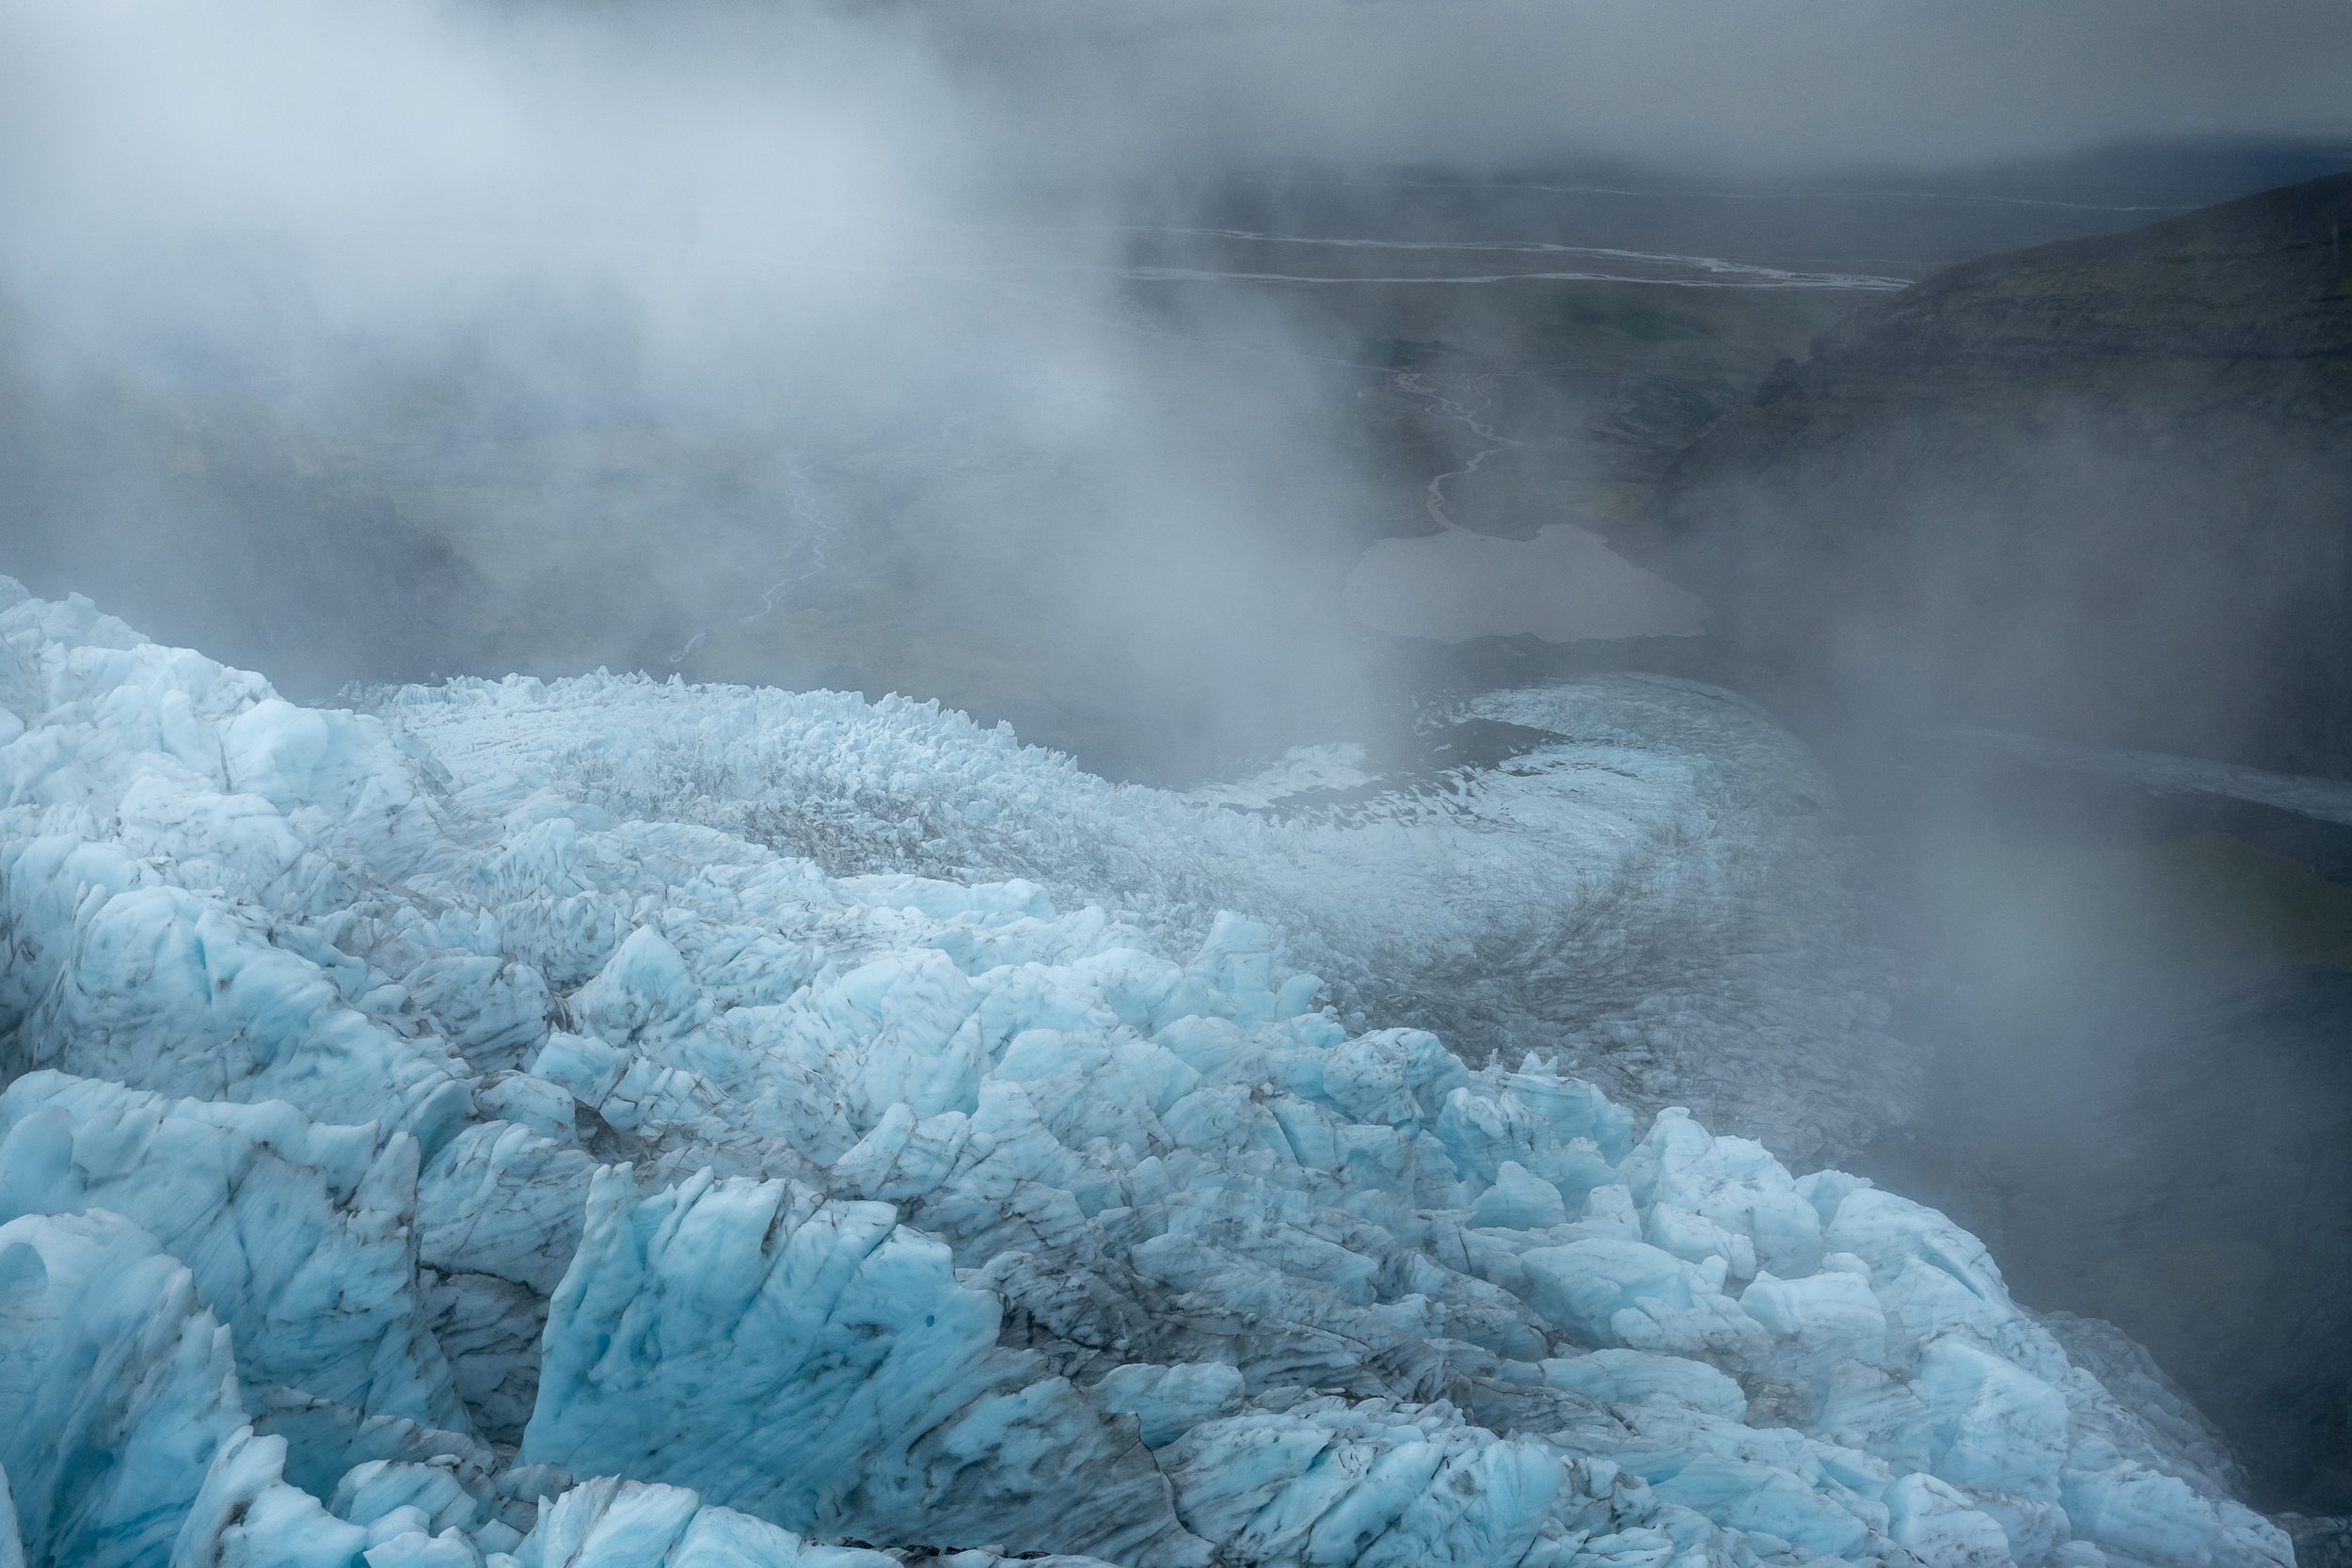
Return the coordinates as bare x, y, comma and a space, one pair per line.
422, 1148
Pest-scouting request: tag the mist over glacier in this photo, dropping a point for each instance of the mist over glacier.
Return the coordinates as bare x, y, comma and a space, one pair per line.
511, 1058
471, 301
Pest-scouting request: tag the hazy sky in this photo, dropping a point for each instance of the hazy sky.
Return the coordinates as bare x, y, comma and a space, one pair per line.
1733, 84
822, 127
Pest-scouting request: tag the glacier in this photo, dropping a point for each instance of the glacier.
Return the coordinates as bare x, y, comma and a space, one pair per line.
1652, 883
619, 1124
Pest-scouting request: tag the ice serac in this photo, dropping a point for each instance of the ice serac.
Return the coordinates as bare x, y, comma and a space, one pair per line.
244, 1515
813, 1362
299, 1234
115, 1390
177, 835
369, 1111
126, 1443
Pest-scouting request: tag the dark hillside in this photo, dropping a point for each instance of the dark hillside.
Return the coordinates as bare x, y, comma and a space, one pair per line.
2099, 488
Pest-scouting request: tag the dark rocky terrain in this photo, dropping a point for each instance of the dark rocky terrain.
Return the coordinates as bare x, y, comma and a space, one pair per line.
2099, 488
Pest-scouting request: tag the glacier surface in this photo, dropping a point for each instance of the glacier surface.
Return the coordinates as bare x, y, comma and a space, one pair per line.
1650, 883
420, 1147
